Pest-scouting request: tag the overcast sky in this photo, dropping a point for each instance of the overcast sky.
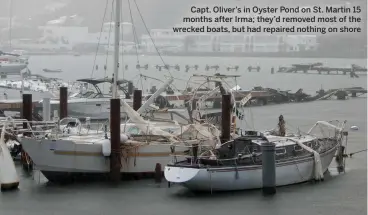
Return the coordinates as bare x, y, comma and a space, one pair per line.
156, 13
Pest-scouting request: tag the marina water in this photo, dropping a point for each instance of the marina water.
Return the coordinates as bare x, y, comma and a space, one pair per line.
338, 194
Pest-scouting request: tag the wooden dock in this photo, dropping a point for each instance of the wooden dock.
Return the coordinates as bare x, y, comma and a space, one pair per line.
317, 68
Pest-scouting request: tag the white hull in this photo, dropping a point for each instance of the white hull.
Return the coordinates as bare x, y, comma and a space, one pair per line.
70, 157
12, 68
95, 108
8, 174
250, 177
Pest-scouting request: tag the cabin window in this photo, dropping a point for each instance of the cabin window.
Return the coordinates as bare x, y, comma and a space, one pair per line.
255, 149
298, 148
133, 130
309, 144
280, 151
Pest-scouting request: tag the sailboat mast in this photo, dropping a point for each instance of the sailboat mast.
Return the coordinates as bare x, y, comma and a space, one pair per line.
10, 21
116, 48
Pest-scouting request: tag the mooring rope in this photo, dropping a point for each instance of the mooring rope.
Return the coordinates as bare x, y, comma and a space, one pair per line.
353, 153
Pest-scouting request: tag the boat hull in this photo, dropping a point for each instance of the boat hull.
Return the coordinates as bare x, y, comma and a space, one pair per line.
249, 177
88, 108
62, 159
12, 94
9, 69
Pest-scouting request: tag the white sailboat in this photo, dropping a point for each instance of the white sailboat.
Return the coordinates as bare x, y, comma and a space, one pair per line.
9, 178
75, 156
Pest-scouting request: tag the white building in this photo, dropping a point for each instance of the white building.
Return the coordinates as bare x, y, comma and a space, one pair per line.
167, 40
57, 36
295, 43
164, 39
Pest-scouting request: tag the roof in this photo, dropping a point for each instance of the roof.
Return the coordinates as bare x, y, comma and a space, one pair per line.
101, 80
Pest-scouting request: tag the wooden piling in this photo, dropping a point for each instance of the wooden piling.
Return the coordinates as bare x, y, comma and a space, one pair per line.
27, 109
158, 173
63, 103
137, 99
130, 88
226, 117
26, 162
115, 157
268, 168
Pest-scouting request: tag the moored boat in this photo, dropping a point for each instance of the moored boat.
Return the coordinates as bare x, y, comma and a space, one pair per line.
237, 164
52, 70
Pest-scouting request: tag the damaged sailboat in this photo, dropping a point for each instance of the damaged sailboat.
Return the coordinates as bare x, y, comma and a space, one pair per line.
237, 164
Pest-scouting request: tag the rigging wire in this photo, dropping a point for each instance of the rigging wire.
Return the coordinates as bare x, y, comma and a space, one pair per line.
135, 42
99, 38
109, 37
134, 34
149, 34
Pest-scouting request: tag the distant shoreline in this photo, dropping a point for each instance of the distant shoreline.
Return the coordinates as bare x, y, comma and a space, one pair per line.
340, 55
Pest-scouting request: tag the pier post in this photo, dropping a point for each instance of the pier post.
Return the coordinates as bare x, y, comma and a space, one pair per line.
130, 88
26, 162
341, 95
27, 109
226, 117
137, 99
46, 109
353, 94
272, 70
115, 157
268, 168
63, 102
158, 173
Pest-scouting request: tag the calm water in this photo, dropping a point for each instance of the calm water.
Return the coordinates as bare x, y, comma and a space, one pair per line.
81, 67
338, 194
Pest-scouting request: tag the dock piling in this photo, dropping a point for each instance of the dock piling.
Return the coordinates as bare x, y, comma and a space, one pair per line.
46, 109
268, 169
27, 109
158, 173
27, 164
226, 117
137, 99
130, 89
115, 157
63, 103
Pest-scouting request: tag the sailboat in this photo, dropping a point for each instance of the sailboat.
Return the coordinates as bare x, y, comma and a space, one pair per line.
75, 156
237, 164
